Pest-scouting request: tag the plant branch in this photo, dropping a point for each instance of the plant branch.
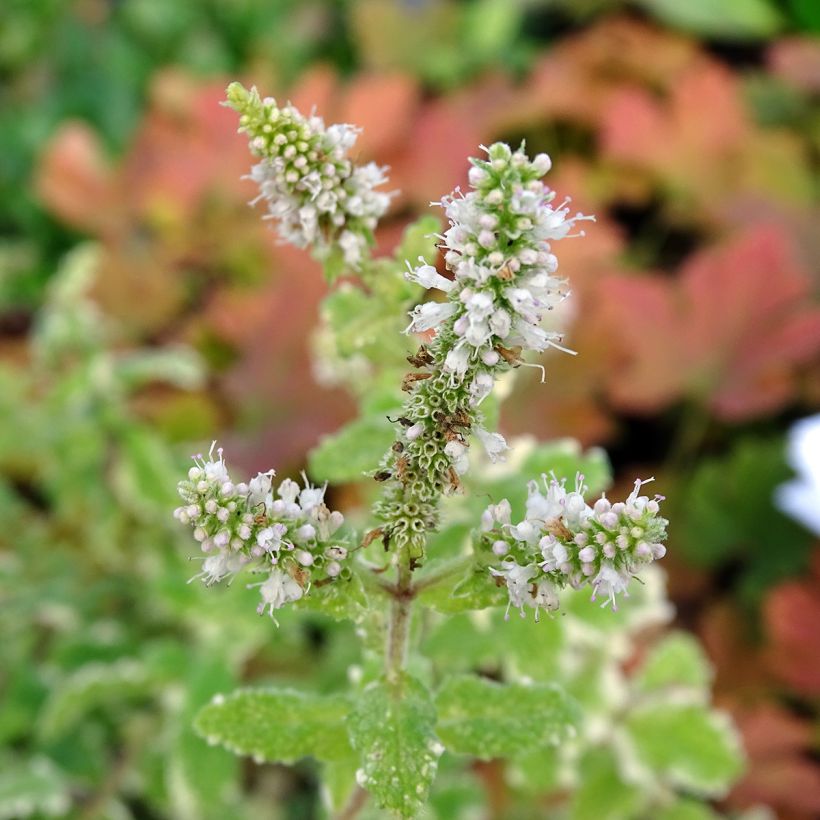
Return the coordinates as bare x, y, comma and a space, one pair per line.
354, 805
398, 627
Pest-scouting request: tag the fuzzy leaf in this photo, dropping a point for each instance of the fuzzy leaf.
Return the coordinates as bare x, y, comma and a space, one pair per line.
677, 661
90, 687
277, 725
392, 727
475, 590
602, 793
32, 787
342, 599
419, 240
351, 452
486, 719
689, 746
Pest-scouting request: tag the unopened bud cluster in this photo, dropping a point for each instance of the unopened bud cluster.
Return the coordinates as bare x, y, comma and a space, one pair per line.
316, 194
287, 535
563, 541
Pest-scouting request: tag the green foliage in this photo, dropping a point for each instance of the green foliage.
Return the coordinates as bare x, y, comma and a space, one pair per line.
688, 746
353, 451
277, 725
677, 661
94, 686
485, 719
392, 726
730, 516
32, 787
603, 792
724, 20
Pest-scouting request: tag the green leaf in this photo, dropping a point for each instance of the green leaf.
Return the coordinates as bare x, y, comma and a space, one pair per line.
357, 448
729, 514
485, 719
684, 809
277, 725
419, 240
392, 727
722, 19
334, 265
339, 780
475, 590
202, 780
92, 686
341, 599
691, 747
603, 795
677, 660
145, 475
32, 787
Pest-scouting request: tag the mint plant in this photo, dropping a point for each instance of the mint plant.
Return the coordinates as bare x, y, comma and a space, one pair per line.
431, 576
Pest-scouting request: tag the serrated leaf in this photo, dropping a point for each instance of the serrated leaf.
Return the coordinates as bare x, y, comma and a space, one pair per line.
32, 787
276, 725
677, 660
486, 719
392, 727
355, 449
727, 19
691, 747
342, 599
602, 793
476, 589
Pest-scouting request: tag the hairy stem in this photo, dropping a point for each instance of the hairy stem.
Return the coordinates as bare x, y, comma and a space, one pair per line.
398, 627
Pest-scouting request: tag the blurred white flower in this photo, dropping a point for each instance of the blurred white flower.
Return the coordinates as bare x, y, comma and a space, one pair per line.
800, 498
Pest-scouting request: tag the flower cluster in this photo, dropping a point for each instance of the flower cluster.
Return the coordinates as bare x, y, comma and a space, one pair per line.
287, 535
317, 195
498, 250
563, 541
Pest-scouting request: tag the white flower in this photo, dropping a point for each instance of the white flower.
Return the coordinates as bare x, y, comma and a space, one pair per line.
496, 513
494, 444
278, 590
610, 582
429, 315
518, 584
457, 361
800, 498
270, 538
457, 451
219, 566
259, 488
428, 277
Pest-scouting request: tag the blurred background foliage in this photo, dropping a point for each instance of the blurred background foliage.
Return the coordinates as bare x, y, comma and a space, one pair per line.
144, 306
